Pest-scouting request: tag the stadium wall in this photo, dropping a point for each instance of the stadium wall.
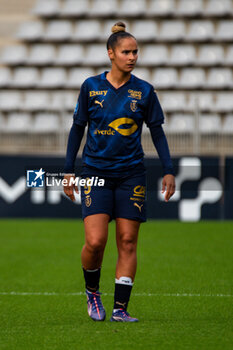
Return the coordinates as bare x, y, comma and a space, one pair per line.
204, 189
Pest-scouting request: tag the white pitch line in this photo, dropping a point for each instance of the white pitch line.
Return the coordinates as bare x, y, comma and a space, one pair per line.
111, 294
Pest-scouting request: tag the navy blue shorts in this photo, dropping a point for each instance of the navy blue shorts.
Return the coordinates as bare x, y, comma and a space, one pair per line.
119, 198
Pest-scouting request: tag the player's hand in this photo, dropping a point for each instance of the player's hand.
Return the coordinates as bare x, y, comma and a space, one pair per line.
69, 189
168, 185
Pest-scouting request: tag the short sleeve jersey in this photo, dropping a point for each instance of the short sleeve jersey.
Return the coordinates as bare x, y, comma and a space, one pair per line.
115, 118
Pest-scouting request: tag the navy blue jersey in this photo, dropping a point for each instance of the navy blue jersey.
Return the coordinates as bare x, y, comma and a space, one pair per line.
115, 118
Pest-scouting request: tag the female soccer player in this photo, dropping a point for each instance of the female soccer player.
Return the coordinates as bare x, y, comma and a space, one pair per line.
115, 104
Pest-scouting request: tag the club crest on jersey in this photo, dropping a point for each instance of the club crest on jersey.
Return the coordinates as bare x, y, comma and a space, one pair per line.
133, 105
135, 94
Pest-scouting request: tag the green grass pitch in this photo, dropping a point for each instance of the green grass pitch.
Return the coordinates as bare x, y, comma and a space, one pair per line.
182, 295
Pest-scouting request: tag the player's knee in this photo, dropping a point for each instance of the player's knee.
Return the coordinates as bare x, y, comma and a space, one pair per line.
96, 245
127, 244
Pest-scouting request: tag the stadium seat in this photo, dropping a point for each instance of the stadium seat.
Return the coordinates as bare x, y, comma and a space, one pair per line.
70, 55
144, 30
5, 77
42, 54
87, 30
25, 77
164, 78
200, 30
142, 73
46, 123
96, 55
172, 30
224, 102
30, 31
131, 8
175, 101
36, 101
210, 55
210, 123
228, 124
204, 101
182, 55
2, 123
46, 8
192, 78
18, 122
181, 124
218, 8
229, 55
70, 100
10, 100
53, 78
154, 55
161, 7
14, 55
74, 8
225, 31
77, 76
219, 78
101, 8
190, 8
58, 31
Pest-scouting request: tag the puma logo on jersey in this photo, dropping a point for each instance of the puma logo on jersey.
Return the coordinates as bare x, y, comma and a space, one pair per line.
138, 206
99, 103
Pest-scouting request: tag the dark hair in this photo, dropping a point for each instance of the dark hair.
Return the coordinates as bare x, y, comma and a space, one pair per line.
118, 32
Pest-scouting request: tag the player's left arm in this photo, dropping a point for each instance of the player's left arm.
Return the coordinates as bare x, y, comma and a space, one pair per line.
160, 142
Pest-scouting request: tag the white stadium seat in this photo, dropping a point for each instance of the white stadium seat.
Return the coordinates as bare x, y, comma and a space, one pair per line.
200, 30
18, 122
70, 55
42, 54
161, 7
2, 123
229, 55
210, 123
204, 101
190, 8
30, 31
154, 55
62, 101
53, 78
103, 8
210, 55
192, 78
225, 31
224, 102
174, 101
25, 77
164, 78
58, 31
96, 55
14, 55
172, 30
183, 54
10, 100
67, 121
5, 77
46, 123
181, 123
87, 30
228, 124
74, 8
77, 76
70, 100
47, 7
142, 73
218, 8
36, 101
132, 8
144, 30
219, 78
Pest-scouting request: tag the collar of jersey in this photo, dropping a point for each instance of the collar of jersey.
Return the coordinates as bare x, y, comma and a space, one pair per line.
103, 77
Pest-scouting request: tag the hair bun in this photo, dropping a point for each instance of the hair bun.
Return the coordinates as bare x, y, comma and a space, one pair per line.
118, 27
